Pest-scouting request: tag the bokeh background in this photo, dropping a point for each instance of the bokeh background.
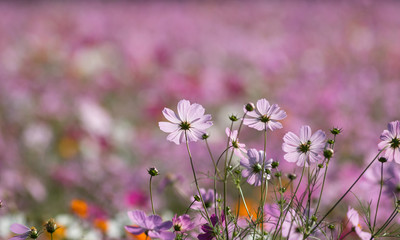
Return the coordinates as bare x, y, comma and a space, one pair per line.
82, 86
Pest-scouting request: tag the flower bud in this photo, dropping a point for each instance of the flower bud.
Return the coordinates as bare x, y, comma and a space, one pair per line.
197, 198
51, 226
331, 226
275, 164
205, 136
250, 107
314, 218
153, 171
336, 131
292, 176
328, 153
320, 165
282, 190
278, 174
382, 159
331, 141
233, 118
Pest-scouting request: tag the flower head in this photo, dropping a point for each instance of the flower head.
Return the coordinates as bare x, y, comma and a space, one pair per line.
264, 116
237, 147
190, 121
152, 225
23, 231
208, 197
391, 142
182, 223
305, 149
253, 167
217, 228
354, 219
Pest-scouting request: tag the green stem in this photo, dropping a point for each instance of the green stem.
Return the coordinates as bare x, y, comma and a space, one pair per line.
322, 187
344, 195
379, 198
151, 197
195, 180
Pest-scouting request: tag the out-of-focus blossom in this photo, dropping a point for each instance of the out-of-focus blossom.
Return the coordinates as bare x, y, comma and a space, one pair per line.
182, 223
291, 226
391, 142
190, 122
237, 147
265, 116
208, 198
354, 219
152, 225
305, 149
253, 167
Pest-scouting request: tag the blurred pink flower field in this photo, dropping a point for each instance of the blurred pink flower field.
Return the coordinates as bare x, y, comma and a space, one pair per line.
83, 86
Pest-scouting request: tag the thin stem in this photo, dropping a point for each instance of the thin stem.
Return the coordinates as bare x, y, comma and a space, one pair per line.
390, 219
195, 179
151, 197
322, 187
344, 195
379, 198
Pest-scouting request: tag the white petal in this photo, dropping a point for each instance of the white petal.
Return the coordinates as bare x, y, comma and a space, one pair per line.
196, 111
171, 115
177, 137
183, 109
168, 127
262, 106
305, 133
291, 139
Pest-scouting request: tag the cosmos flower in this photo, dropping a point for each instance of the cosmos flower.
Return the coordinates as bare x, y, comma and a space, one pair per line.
291, 228
253, 167
217, 228
305, 149
208, 197
264, 116
23, 231
354, 219
152, 225
391, 141
237, 147
182, 223
190, 120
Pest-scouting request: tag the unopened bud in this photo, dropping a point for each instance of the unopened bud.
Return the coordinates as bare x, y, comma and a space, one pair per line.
51, 225
320, 165
205, 136
153, 171
275, 164
336, 131
33, 233
328, 153
331, 226
382, 159
292, 176
233, 118
331, 141
197, 198
250, 107
278, 174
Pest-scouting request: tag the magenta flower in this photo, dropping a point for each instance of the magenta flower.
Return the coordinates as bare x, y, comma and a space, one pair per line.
237, 147
265, 116
391, 141
23, 231
354, 219
152, 225
305, 149
217, 228
208, 197
253, 170
182, 223
190, 120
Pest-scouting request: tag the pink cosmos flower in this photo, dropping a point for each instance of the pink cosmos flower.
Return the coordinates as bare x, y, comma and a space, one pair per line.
291, 228
190, 120
152, 225
354, 219
208, 197
391, 141
305, 149
217, 228
237, 147
265, 116
253, 167
182, 223
23, 231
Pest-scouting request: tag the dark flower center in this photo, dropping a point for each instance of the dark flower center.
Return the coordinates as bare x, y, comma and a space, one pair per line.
264, 118
395, 143
304, 147
177, 227
184, 125
208, 204
257, 168
235, 144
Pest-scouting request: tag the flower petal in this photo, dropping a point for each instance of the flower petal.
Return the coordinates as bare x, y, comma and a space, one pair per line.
183, 109
19, 228
305, 133
168, 127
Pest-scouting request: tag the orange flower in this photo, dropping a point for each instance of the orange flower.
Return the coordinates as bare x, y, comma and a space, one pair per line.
80, 208
139, 237
101, 224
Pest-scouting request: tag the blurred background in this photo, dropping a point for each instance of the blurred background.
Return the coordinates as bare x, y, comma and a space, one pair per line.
83, 84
